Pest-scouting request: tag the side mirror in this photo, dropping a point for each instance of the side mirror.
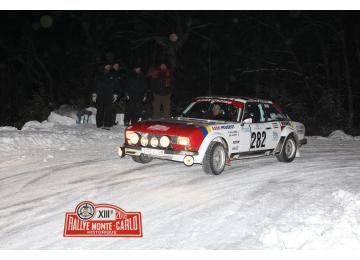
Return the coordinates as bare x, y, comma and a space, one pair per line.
248, 120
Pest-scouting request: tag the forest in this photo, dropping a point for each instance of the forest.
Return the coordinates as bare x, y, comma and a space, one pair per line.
306, 61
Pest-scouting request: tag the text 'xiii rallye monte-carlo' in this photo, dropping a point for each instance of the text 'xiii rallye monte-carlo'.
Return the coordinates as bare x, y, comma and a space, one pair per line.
212, 131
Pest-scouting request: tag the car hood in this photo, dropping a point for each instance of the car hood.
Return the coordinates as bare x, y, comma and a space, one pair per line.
179, 126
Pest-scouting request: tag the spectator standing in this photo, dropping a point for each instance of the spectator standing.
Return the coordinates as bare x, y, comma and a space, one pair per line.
136, 95
119, 73
162, 84
104, 96
119, 78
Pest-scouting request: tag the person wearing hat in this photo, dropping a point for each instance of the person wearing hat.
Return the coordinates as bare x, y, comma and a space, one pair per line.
136, 95
161, 81
104, 96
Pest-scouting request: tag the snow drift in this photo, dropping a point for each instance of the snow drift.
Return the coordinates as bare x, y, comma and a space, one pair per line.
62, 120
341, 135
338, 230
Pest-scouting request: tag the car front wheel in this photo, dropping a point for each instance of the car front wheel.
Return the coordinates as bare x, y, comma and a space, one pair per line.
288, 152
215, 159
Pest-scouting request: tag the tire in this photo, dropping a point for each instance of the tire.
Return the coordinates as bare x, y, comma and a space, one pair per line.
215, 159
288, 151
142, 159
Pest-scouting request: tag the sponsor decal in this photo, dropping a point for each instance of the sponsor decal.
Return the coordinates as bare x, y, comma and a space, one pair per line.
275, 136
235, 148
214, 100
221, 127
275, 125
158, 127
236, 142
206, 130
102, 220
228, 101
283, 124
233, 133
246, 129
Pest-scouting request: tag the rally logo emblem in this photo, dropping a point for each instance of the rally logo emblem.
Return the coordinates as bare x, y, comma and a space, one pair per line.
85, 210
102, 220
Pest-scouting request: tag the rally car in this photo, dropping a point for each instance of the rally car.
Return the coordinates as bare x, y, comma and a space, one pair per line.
212, 131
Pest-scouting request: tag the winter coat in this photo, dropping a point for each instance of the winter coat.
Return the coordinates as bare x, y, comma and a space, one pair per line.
136, 87
162, 82
119, 81
105, 87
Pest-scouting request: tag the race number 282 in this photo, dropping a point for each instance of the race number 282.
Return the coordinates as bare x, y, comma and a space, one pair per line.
258, 139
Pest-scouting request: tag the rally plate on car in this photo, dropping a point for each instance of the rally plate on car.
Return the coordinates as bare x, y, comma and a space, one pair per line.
150, 151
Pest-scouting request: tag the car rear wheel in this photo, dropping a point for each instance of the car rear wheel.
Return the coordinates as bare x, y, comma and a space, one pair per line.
142, 158
288, 152
215, 159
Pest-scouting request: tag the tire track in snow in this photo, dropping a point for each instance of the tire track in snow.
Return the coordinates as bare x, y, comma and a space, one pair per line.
52, 167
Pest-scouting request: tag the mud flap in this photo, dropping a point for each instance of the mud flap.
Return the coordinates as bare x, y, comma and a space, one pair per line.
297, 153
228, 162
280, 145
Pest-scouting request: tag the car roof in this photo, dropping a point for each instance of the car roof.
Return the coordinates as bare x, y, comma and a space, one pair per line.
236, 98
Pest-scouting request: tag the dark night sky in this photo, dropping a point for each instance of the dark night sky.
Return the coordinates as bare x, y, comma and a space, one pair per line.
55, 61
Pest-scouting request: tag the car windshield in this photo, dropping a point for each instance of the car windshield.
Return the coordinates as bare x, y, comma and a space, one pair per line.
212, 110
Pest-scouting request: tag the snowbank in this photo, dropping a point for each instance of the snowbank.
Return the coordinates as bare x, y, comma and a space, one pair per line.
8, 128
93, 110
92, 117
62, 120
61, 133
341, 135
36, 125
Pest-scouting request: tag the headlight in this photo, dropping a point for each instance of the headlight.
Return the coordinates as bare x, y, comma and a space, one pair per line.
154, 142
144, 141
132, 137
164, 141
183, 140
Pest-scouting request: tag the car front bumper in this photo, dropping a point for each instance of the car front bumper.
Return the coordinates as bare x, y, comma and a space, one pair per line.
159, 153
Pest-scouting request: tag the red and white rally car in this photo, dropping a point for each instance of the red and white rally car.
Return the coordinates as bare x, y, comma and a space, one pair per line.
214, 130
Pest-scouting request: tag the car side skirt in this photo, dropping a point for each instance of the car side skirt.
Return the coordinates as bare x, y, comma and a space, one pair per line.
249, 155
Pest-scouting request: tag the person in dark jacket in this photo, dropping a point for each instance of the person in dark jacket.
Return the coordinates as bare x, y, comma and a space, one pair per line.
104, 96
136, 95
119, 73
161, 81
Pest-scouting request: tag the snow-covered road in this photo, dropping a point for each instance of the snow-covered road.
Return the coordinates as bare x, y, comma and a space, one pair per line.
45, 170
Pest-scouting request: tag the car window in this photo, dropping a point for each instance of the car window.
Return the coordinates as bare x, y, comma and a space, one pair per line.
262, 113
213, 111
272, 114
256, 112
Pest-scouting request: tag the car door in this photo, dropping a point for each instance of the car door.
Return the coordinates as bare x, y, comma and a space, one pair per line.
234, 130
273, 119
258, 134
244, 137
